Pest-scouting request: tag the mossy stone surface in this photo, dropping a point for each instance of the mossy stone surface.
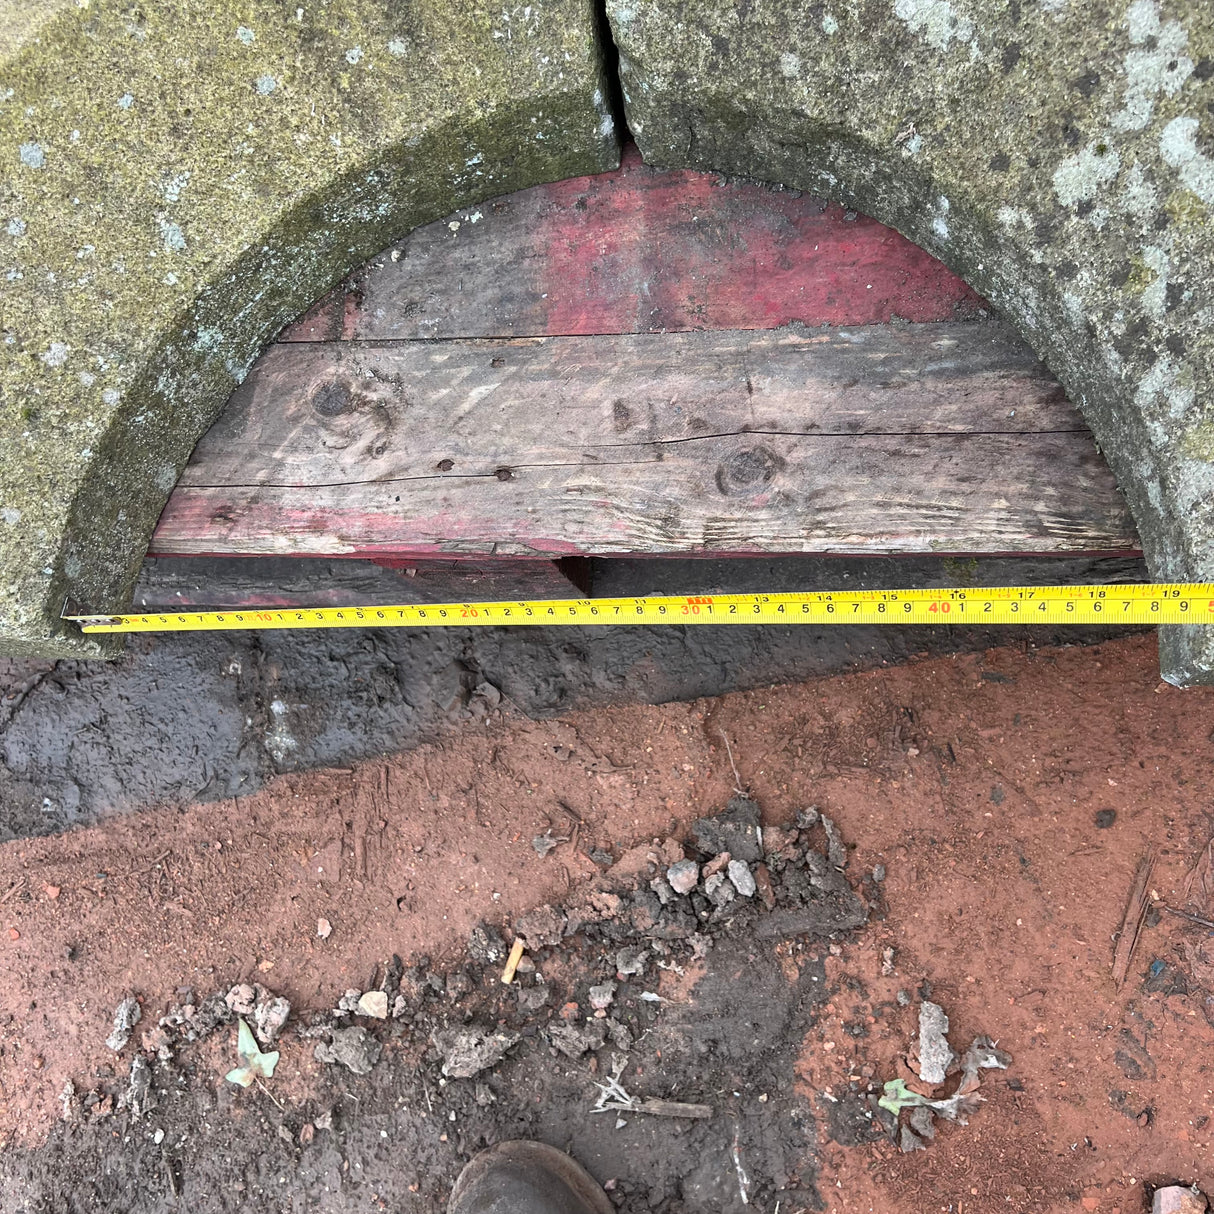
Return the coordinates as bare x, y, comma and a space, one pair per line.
1057, 154
178, 180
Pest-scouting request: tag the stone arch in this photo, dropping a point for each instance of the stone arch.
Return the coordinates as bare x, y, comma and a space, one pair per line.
1055, 155
179, 182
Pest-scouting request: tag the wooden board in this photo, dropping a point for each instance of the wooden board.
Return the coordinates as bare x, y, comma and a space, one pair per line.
639, 251
204, 582
881, 439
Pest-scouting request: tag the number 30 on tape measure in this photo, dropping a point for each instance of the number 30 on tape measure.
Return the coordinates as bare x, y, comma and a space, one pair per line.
1157, 603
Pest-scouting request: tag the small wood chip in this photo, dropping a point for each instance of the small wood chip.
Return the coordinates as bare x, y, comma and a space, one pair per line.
1132, 923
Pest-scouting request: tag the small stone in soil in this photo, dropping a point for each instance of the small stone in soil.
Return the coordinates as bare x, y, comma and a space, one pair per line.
630, 961
354, 1048
269, 1016
572, 1041
735, 831
683, 876
1105, 818
740, 876
139, 1096
126, 1016
241, 999
543, 844
718, 890
663, 889
324, 929
532, 998
373, 1004
467, 1052
601, 997
485, 944
935, 1053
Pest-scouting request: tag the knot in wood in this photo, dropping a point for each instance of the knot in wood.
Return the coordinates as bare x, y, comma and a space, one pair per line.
747, 470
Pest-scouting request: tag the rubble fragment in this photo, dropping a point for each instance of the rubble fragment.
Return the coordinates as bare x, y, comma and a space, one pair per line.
935, 1053
683, 876
742, 879
126, 1015
467, 1052
735, 831
373, 1004
354, 1048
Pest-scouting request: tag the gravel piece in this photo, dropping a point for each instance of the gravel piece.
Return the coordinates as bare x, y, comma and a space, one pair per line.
935, 1053
718, 890
742, 879
354, 1048
735, 831
241, 999
467, 1052
269, 1016
126, 1015
601, 997
630, 961
140, 1099
683, 876
573, 1041
374, 1004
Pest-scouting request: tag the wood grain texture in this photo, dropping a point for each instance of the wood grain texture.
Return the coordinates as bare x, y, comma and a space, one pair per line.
882, 439
639, 251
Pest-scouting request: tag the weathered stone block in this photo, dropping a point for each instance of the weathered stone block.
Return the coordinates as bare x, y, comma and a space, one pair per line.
178, 180
1058, 155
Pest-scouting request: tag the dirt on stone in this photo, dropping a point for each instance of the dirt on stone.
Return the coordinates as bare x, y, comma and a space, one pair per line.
988, 814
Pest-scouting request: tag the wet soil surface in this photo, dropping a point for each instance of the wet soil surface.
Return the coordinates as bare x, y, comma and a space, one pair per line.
988, 815
187, 717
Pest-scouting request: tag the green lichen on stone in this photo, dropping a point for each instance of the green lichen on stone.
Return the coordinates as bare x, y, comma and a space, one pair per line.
1059, 157
177, 181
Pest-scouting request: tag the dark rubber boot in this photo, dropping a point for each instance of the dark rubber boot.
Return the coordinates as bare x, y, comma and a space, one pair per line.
526, 1178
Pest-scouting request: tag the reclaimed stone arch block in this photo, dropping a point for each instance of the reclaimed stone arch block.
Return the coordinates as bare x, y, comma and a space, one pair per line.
180, 179
1057, 154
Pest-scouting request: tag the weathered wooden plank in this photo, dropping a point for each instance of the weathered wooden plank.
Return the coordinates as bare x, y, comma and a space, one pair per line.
639, 251
944, 438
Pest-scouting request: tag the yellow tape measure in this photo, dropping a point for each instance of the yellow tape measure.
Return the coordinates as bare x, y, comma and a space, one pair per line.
1159, 603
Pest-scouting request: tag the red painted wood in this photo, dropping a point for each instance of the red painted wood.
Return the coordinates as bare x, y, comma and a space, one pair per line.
639, 250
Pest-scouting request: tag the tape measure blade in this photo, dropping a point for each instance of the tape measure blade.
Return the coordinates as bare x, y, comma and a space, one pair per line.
1120, 603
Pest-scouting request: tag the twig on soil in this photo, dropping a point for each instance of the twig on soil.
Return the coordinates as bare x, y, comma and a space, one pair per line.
613, 1098
1132, 923
566, 810
12, 889
136, 872
281, 1106
1186, 915
168, 1169
737, 779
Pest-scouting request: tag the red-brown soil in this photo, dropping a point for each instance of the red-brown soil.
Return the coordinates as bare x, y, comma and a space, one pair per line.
975, 781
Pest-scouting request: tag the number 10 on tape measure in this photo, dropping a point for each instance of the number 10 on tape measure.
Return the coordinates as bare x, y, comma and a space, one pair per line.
1156, 603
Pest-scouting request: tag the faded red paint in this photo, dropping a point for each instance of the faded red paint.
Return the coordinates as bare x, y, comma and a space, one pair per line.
640, 250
